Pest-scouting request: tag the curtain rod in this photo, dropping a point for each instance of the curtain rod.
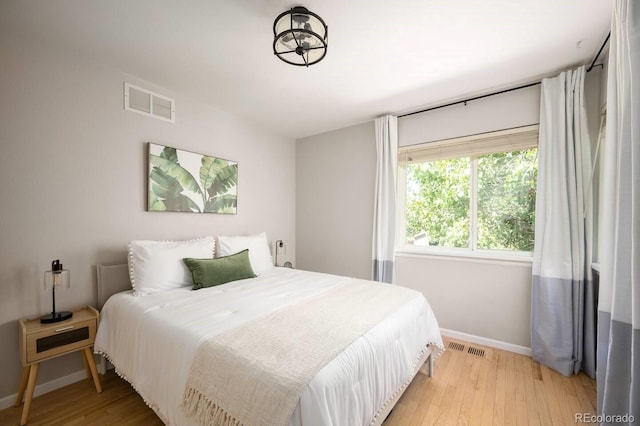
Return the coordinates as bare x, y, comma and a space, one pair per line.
524, 86
593, 64
464, 101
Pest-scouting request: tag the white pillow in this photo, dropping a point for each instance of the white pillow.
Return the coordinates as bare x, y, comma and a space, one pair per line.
157, 265
259, 253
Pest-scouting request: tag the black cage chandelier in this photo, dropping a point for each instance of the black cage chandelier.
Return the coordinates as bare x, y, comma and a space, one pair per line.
300, 37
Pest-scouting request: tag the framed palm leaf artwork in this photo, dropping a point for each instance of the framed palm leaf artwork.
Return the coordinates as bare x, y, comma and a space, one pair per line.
183, 181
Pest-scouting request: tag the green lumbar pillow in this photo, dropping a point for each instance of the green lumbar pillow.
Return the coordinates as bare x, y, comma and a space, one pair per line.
210, 272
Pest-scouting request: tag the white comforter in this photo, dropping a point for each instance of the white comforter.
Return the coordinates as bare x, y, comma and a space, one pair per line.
152, 340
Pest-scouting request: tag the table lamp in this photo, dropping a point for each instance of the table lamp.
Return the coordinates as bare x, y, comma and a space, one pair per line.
56, 277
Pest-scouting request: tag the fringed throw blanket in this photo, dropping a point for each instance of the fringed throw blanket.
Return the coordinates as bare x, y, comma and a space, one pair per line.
255, 374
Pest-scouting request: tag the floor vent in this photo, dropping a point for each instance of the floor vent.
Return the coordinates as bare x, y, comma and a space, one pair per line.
476, 351
456, 346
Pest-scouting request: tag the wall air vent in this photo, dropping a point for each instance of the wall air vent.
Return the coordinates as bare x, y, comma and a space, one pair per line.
148, 103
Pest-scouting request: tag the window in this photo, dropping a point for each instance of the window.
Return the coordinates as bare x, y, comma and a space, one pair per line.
474, 193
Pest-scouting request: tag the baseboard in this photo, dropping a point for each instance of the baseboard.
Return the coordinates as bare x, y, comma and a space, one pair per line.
43, 388
523, 350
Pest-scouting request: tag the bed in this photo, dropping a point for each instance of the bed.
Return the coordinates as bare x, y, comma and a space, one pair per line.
153, 341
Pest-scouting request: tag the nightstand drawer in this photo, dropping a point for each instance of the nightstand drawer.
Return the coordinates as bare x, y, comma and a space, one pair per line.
60, 339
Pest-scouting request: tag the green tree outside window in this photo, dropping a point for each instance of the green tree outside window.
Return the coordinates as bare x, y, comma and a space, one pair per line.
439, 201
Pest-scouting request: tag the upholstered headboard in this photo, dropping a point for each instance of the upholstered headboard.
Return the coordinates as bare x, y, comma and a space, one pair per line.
112, 279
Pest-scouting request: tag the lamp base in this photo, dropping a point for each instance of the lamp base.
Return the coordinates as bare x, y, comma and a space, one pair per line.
55, 317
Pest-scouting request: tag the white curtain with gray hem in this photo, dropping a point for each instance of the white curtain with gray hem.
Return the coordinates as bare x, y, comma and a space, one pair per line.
562, 309
619, 304
384, 212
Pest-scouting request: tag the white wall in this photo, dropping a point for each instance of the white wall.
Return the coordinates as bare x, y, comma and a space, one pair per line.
335, 175
486, 298
72, 167
505, 111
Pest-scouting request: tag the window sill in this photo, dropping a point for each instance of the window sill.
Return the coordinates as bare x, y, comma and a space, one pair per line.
480, 256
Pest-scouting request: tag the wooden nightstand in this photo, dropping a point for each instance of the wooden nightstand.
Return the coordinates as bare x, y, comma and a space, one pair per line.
41, 342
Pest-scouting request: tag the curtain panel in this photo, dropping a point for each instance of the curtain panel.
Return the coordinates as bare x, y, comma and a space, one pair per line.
619, 303
384, 212
562, 311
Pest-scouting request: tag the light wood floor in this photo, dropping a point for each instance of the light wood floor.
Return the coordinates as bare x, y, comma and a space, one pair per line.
499, 388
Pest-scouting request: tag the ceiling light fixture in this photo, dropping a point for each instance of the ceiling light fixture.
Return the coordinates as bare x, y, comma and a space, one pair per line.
300, 37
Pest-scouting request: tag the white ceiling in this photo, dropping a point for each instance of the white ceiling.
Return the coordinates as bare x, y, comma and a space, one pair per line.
383, 57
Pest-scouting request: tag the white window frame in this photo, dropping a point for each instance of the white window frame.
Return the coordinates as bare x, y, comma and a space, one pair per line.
472, 147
